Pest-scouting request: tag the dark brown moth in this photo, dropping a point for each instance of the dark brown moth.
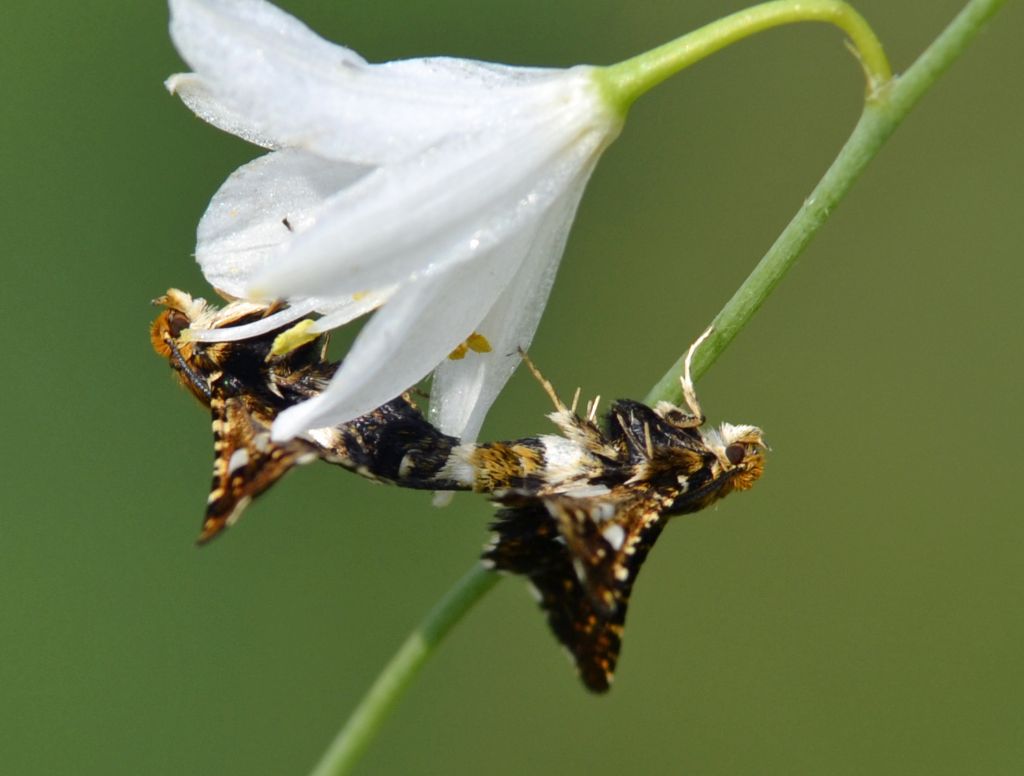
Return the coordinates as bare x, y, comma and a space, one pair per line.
579, 511
246, 384
581, 542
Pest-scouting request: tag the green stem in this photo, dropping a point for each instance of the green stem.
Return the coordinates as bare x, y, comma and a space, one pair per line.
877, 123
880, 118
392, 682
627, 80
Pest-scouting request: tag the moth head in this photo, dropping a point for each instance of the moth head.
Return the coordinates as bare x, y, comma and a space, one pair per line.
740, 452
180, 312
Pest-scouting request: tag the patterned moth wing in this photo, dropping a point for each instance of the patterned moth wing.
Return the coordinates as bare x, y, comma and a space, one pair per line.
246, 461
584, 585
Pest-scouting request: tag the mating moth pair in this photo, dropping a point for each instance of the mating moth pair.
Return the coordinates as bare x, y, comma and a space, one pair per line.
578, 511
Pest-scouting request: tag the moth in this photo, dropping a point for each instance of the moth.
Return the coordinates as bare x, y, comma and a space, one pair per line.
582, 536
579, 510
246, 384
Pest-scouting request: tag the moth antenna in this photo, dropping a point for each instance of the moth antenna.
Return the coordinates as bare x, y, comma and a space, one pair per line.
549, 389
197, 380
689, 393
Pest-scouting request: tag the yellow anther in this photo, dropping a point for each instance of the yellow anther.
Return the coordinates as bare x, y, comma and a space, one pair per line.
476, 342
295, 337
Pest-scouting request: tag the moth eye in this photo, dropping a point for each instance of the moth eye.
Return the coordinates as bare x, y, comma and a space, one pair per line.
735, 453
177, 322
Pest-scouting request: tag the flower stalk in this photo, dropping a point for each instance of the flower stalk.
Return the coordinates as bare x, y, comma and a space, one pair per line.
878, 121
397, 675
885, 109
627, 80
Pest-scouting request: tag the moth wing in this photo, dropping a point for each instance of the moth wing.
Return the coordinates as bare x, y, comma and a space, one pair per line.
582, 578
607, 539
246, 461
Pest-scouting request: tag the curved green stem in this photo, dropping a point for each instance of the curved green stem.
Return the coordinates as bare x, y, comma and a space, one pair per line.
879, 120
877, 123
627, 80
392, 682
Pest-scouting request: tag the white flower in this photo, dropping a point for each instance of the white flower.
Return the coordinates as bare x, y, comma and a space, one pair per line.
441, 190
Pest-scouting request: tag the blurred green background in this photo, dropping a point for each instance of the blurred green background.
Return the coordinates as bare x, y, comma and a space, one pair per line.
860, 611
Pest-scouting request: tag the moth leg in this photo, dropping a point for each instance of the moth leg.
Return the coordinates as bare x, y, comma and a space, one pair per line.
549, 389
582, 431
689, 392
675, 415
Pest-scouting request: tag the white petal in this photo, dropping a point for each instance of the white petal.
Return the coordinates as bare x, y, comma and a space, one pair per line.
302, 91
408, 337
464, 390
340, 313
444, 207
256, 328
335, 313
196, 94
262, 207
